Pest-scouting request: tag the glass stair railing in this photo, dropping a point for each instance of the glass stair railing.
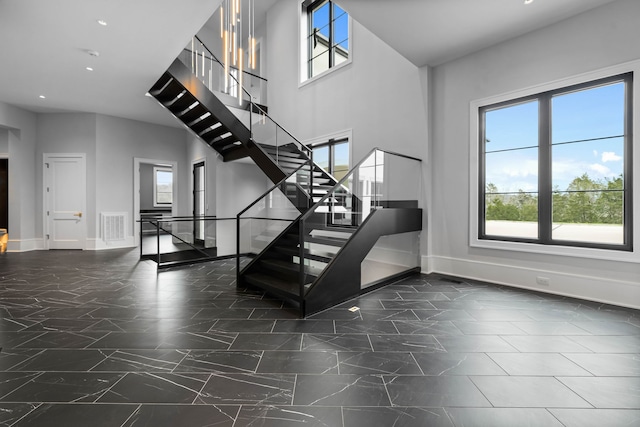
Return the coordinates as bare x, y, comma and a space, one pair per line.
368, 223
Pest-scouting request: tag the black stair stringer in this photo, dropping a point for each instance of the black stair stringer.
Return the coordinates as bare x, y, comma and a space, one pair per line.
243, 146
341, 279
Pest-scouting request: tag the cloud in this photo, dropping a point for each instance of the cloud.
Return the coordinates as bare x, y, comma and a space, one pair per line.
595, 153
600, 169
610, 156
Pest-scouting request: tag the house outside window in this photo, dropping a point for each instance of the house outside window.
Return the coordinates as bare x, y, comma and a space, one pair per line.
162, 187
555, 168
327, 36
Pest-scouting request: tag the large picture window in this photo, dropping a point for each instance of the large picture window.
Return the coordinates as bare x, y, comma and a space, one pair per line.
555, 168
327, 36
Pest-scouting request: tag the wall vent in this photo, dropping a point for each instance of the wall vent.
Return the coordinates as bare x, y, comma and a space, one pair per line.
113, 226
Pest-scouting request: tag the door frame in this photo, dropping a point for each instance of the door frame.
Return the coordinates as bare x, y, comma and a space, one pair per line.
194, 164
45, 199
137, 161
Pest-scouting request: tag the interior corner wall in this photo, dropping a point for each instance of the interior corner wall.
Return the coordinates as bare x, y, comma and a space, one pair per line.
377, 96
118, 142
237, 185
590, 41
21, 142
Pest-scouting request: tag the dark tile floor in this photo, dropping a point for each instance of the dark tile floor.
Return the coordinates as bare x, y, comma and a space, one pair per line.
100, 339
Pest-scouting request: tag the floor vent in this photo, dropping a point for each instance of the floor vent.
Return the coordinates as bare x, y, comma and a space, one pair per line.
113, 226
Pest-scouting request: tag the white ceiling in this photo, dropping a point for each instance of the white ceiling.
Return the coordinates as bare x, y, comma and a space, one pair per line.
432, 32
44, 43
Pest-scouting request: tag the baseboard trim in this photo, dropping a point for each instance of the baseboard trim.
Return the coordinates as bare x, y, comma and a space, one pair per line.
25, 245
100, 245
598, 289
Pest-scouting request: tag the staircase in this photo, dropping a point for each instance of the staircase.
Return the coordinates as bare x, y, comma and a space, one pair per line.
315, 260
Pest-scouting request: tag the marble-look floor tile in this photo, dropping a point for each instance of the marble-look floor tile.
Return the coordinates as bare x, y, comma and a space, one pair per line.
141, 361
178, 415
340, 390
407, 343
220, 361
606, 392
609, 344
64, 360
476, 344
247, 341
64, 387
288, 416
597, 417
336, 342
376, 362
157, 387
395, 416
248, 389
365, 327
10, 413
608, 365
10, 381
528, 392
425, 327
436, 391
307, 326
502, 417
545, 344
298, 362
537, 364
77, 415
445, 363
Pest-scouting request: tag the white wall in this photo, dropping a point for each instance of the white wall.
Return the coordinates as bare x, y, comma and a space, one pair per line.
594, 40
67, 133
378, 95
118, 142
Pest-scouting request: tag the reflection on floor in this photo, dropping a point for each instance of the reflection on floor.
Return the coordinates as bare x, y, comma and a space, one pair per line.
101, 339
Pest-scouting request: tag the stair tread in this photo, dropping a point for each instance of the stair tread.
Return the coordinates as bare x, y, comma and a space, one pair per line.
283, 287
290, 267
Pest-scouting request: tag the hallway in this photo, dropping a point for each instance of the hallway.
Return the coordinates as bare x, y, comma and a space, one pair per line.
98, 338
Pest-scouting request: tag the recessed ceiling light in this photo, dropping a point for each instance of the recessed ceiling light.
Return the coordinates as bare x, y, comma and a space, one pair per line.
528, 1
102, 22
89, 69
42, 97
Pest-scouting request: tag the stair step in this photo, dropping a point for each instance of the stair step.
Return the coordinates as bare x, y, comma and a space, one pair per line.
212, 134
277, 286
289, 267
161, 84
312, 254
178, 106
328, 241
201, 125
169, 93
193, 114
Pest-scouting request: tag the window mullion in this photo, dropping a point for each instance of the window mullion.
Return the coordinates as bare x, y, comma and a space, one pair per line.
545, 193
331, 35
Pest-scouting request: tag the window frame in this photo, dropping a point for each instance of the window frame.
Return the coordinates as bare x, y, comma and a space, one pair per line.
477, 238
157, 169
305, 20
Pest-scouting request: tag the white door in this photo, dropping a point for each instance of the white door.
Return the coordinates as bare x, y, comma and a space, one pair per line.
65, 201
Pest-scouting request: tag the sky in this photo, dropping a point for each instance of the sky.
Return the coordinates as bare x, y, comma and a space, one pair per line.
341, 24
596, 115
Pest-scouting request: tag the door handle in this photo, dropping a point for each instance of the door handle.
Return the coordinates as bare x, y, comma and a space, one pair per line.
79, 214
